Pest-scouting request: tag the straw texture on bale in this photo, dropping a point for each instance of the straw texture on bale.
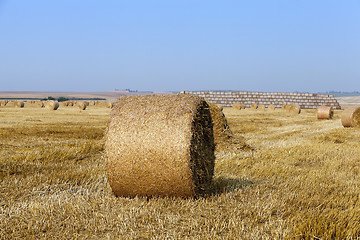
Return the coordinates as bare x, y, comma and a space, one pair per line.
160, 145
236, 106
271, 107
350, 117
294, 109
325, 112
220, 124
254, 106
52, 105
81, 105
220, 106
19, 104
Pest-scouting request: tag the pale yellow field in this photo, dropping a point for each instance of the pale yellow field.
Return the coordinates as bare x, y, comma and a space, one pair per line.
295, 178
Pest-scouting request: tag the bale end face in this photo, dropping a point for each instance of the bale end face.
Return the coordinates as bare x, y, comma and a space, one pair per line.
160, 146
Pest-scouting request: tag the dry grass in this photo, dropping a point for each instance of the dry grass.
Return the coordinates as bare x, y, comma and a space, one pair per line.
297, 178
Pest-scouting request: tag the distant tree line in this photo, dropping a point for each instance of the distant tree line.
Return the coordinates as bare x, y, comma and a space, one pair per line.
63, 99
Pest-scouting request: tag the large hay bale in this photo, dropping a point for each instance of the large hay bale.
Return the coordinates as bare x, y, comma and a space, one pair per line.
220, 126
350, 117
271, 107
254, 106
325, 112
294, 109
236, 106
19, 104
81, 105
52, 105
160, 145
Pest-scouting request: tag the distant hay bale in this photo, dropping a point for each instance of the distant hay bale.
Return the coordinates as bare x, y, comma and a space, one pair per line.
64, 104
86, 103
236, 106
19, 104
220, 126
271, 107
3, 103
109, 104
350, 117
52, 105
294, 109
242, 106
39, 104
325, 112
165, 147
254, 106
261, 107
92, 103
70, 103
81, 105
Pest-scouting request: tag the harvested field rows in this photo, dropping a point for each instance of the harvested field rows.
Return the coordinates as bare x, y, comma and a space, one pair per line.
294, 177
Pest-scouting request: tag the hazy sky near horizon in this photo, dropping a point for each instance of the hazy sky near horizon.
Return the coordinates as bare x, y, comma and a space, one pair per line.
257, 45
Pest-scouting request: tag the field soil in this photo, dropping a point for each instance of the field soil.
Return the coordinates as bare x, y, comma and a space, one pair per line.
294, 177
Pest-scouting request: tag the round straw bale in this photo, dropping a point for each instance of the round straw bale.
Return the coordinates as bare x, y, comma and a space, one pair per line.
261, 107
92, 103
254, 106
236, 106
64, 104
271, 107
3, 103
70, 104
350, 117
325, 112
52, 105
242, 106
39, 104
294, 108
81, 105
220, 125
86, 103
160, 145
109, 104
19, 104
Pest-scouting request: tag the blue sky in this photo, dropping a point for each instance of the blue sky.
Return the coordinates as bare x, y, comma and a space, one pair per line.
257, 45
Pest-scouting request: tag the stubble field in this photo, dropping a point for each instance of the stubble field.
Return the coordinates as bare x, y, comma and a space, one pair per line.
295, 178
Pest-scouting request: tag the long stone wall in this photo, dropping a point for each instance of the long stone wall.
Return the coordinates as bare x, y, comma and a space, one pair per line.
305, 100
